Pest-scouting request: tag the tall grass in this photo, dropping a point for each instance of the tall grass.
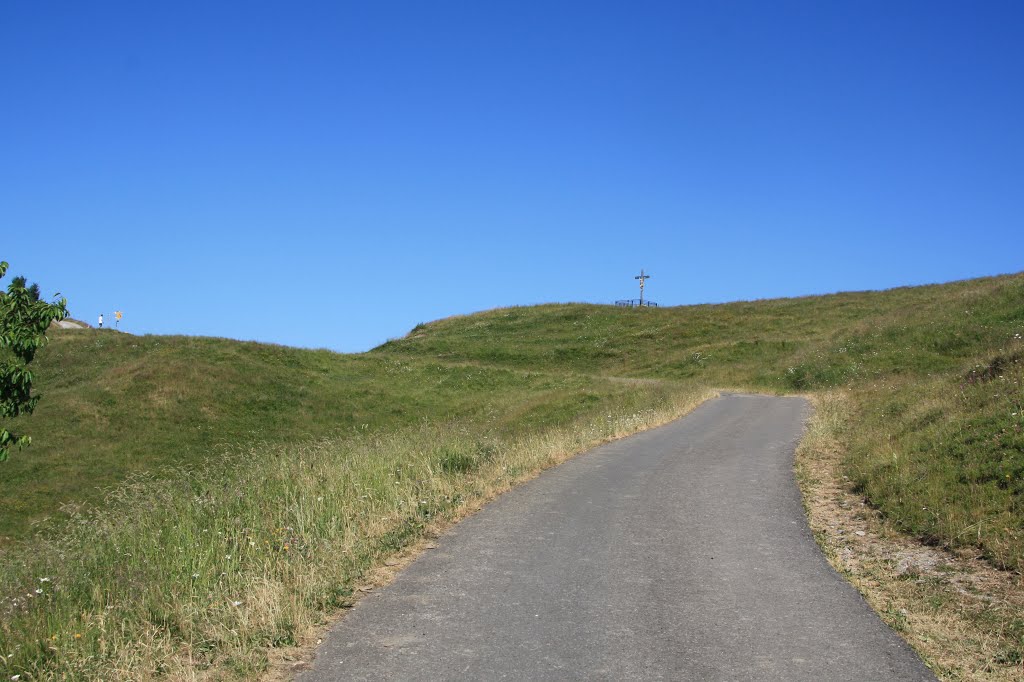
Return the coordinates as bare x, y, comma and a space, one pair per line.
933, 374
964, 617
943, 457
205, 568
334, 462
115, 405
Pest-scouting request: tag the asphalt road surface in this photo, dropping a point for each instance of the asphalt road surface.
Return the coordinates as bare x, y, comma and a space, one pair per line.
681, 553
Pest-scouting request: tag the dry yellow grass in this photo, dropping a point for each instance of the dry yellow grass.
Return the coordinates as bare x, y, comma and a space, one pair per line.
200, 575
962, 615
362, 455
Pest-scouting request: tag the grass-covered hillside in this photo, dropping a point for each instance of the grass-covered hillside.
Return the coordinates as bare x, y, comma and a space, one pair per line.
786, 344
115, 405
209, 500
935, 374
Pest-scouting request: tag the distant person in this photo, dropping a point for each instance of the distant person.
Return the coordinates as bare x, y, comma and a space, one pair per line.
101, 320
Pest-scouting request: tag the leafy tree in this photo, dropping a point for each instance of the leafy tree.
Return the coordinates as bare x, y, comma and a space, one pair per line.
21, 282
24, 319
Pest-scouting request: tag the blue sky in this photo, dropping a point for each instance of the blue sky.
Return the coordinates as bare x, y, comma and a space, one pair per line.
329, 174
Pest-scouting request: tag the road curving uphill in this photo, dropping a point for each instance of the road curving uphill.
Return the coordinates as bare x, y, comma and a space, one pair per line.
681, 553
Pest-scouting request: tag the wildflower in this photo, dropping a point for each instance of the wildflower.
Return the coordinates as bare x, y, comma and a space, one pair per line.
286, 548
236, 603
78, 635
39, 590
44, 580
195, 576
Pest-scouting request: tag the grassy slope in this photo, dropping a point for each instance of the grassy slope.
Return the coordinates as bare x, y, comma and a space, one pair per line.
309, 469
289, 459
910, 330
935, 373
115, 405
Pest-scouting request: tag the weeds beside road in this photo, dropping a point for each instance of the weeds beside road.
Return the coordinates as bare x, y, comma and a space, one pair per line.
962, 615
211, 567
254, 484
935, 377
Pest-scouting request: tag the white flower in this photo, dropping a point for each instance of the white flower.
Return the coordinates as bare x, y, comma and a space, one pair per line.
236, 603
39, 591
44, 580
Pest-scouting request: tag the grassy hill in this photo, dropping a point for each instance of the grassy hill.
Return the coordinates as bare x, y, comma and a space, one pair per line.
209, 499
935, 376
826, 340
117, 405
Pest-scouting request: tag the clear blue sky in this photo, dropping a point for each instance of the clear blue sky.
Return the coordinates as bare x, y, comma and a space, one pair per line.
328, 174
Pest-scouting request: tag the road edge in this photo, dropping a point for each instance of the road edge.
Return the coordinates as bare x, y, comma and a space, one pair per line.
956, 611
285, 663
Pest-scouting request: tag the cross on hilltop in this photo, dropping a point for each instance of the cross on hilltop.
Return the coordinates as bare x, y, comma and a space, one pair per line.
632, 302
642, 277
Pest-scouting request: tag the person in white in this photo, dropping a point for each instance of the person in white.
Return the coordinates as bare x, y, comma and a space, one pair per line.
101, 320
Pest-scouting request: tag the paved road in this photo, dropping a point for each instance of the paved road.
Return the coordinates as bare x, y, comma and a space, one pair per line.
681, 553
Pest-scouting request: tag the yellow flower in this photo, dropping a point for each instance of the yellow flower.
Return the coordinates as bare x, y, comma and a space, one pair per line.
286, 548
78, 635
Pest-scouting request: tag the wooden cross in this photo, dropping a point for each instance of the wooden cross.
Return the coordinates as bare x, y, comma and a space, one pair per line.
642, 277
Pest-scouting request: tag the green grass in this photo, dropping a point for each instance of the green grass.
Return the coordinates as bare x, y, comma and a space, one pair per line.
785, 344
116, 405
935, 371
208, 566
154, 458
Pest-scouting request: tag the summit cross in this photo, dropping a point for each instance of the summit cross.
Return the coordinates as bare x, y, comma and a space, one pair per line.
642, 277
